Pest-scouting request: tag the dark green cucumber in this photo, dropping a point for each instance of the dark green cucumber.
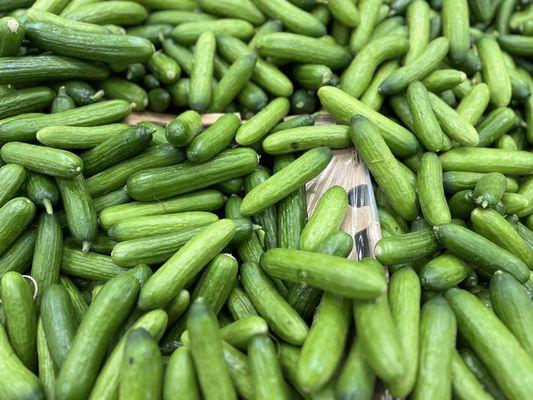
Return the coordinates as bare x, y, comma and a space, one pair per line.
207, 353
168, 281
59, 322
19, 255
102, 320
81, 216
47, 252
437, 333
478, 250
161, 183
82, 93
91, 115
268, 218
141, 373
117, 175
116, 13
204, 200
493, 343
111, 199
11, 34
11, 179
231, 186
286, 181
214, 139
47, 68
305, 138
265, 370
25, 101
151, 32
21, 317
62, 102
182, 130
356, 380
16, 215
49, 161
74, 137
89, 265
78, 302
407, 247
17, 381
117, 148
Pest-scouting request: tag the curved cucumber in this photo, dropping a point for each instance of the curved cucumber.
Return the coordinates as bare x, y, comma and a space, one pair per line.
11, 179
16, 214
77, 137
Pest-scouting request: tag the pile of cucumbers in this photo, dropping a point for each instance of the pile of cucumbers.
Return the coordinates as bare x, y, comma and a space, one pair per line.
179, 261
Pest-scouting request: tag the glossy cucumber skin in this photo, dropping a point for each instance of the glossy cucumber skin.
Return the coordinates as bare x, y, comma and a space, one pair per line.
493, 343
165, 182
21, 317
81, 216
135, 95
369, 14
455, 181
478, 250
102, 320
116, 13
488, 160
46, 366
305, 138
286, 180
11, 179
464, 383
91, 115
443, 272
25, 101
71, 137
455, 28
16, 214
246, 10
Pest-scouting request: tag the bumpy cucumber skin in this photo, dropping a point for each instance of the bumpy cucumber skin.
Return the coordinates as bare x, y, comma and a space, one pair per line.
16, 214
180, 377
431, 191
455, 28
494, 72
202, 72
11, 179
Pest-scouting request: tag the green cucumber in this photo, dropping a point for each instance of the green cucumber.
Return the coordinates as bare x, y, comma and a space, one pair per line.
494, 72
378, 334
305, 138
260, 124
47, 252
168, 281
455, 26
268, 218
303, 101
245, 10
455, 181
17, 215
404, 302
62, 102
241, 332
437, 340
495, 125
280, 316
425, 123
493, 343
265, 370
25, 101
188, 33
19, 255
407, 247
214, 139
369, 12
59, 323
158, 100
117, 175
476, 249
46, 366
526, 190
303, 267
88, 265
135, 95
294, 19
180, 376
312, 76
165, 182
115, 12
80, 213
419, 68
517, 45
101, 321
11, 36
48, 68
204, 200
318, 361
510, 302
488, 160
286, 181
343, 107
72, 137
78, 302
489, 189
117, 148
356, 380
88, 45
265, 74
326, 219
141, 373
17, 381
384, 167
21, 317
202, 72
91, 115
464, 383
115, 198
49, 161
490, 224
443, 272
474, 103
207, 353
151, 32
11, 180
82, 93
107, 382
232, 82
304, 49
418, 19
182, 130
372, 97
239, 305
431, 191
